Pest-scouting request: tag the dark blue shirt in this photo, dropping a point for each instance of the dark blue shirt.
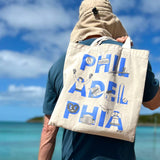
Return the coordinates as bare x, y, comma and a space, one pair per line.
79, 146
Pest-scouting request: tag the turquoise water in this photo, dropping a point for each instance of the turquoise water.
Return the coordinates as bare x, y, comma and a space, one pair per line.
20, 141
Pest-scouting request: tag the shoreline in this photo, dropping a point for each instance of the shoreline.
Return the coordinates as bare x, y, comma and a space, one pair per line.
138, 125
41, 122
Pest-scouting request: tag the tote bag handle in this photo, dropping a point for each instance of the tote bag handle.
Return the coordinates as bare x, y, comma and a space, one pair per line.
98, 41
127, 43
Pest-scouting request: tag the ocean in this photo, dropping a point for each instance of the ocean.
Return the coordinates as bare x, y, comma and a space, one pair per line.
20, 141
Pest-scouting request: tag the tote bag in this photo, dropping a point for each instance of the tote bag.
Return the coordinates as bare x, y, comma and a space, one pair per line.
103, 89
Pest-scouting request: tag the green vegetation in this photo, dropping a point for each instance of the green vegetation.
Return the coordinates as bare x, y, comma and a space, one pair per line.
149, 119
36, 120
143, 119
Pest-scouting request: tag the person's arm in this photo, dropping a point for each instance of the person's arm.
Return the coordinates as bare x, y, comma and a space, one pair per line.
53, 89
154, 103
48, 139
151, 96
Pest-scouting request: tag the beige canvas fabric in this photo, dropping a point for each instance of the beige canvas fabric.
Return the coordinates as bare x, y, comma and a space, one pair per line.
105, 23
103, 90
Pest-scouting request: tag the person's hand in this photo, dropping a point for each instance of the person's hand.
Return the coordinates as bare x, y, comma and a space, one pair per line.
123, 39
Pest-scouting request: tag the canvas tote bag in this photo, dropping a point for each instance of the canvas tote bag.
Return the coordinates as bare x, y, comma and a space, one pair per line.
103, 89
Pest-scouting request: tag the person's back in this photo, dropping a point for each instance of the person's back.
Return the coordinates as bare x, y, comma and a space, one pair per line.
84, 146
96, 19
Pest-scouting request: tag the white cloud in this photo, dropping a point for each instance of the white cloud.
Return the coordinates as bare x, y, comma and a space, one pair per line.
155, 23
49, 40
151, 10
2, 29
122, 5
23, 96
150, 6
18, 65
44, 24
154, 58
146, 14
7, 2
156, 40
36, 16
134, 24
6, 31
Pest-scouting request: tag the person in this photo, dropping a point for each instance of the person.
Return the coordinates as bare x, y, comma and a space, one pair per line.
95, 20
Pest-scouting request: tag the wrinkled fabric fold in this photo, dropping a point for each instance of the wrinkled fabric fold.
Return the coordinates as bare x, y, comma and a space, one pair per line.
104, 23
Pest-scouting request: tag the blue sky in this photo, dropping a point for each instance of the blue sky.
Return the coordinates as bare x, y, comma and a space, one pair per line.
35, 33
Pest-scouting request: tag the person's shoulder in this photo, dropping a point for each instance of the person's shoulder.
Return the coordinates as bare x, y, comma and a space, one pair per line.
56, 69
107, 41
58, 64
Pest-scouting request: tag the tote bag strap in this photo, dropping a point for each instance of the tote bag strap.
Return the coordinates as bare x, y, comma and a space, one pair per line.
99, 41
127, 43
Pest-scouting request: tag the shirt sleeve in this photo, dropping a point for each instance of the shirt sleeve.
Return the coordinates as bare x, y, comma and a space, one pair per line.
151, 85
54, 85
51, 96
